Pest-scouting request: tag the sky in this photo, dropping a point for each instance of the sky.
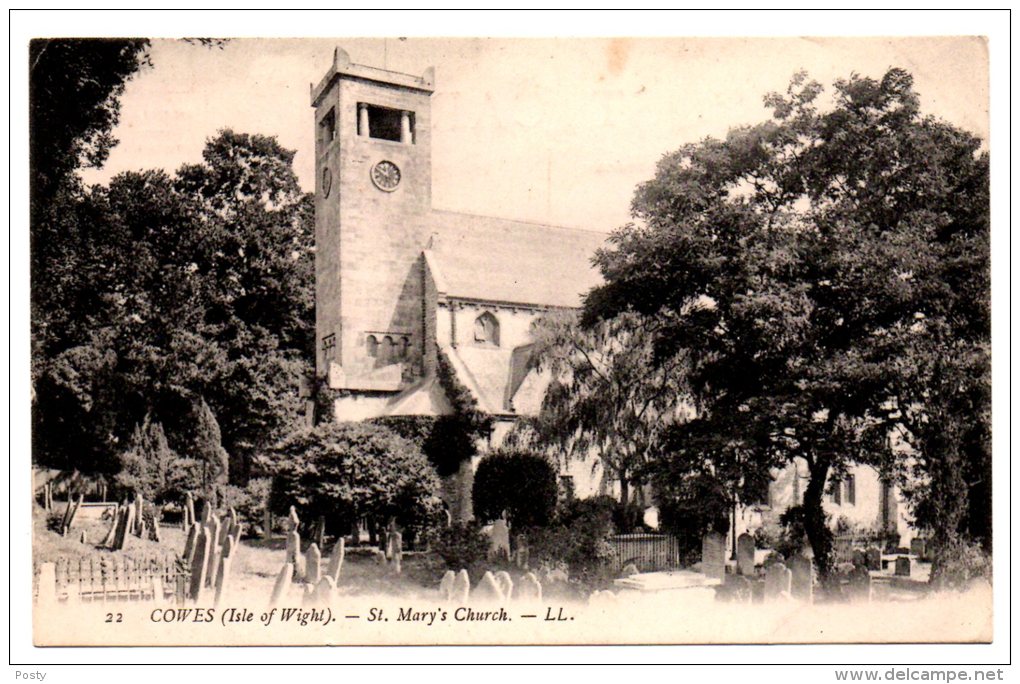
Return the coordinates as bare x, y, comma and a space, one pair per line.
549, 130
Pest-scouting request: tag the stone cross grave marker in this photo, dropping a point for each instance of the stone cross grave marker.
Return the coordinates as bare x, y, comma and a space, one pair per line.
713, 556
778, 579
745, 555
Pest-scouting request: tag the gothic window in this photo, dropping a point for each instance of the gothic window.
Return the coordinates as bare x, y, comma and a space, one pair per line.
487, 330
372, 346
386, 353
404, 348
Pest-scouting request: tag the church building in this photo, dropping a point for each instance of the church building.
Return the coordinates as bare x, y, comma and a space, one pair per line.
398, 283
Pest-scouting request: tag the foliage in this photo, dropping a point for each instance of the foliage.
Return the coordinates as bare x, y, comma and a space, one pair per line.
521, 484
447, 441
463, 546
578, 539
346, 471
476, 421
249, 501
151, 468
606, 396
803, 266
965, 562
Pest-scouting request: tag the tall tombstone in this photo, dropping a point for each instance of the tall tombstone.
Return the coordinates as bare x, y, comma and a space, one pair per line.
190, 543
446, 585
487, 590
267, 523
462, 587
313, 562
282, 585
155, 529
189, 512
873, 558
858, 588
801, 579
112, 533
506, 584
396, 550
336, 561
223, 573
745, 555
199, 565
213, 561
528, 588
293, 546
499, 540
778, 579
902, 566
123, 527
292, 519
713, 556
207, 512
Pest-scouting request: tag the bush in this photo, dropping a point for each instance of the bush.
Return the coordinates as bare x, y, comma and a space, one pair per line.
249, 501
447, 441
463, 546
965, 561
579, 540
345, 471
150, 467
518, 482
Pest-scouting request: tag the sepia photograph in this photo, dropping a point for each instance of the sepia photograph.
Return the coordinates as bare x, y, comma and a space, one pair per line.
530, 341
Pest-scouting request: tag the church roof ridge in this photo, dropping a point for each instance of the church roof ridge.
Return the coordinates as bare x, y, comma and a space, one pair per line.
528, 222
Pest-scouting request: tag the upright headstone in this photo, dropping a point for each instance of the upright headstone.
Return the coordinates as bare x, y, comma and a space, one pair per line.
126, 521
873, 558
858, 588
155, 529
112, 533
778, 579
487, 590
713, 556
902, 566
293, 546
336, 561
282, 585
735, 589
292, 519
267, 523
313, 562
446, 585
396, 551
223, 573
629, 570
189, 511
461, 587
190, 543
801, 579
745, 555
499, 541
199, 565
529, 588
139, 510
506, 584
213, 561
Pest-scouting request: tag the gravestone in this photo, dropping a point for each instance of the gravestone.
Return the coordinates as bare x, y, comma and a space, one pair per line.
736, 589
324, 591
267, 523
123, 527
873, 558
506, 584
206, 513
112, 533
499, 540
223, 573
529, 588
320, 532
556, 575
139, 511
293, 546
282, 585
917, 547
859, 559
629, 569
336, 561
189, 512
778, 579
713, 556
313, 561
213, 530
902, 566
189, 545
155, 529
801, 579
858, 588
461, 587
745, 555
292, 519
487, 590
446, 585
199, 565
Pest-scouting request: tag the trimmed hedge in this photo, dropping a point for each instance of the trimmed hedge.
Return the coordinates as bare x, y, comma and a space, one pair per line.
518, 482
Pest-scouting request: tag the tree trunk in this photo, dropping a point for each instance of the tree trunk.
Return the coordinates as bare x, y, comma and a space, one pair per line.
818, 532
624, 488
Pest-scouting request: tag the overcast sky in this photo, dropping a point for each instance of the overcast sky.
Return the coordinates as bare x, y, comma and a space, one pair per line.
550, 130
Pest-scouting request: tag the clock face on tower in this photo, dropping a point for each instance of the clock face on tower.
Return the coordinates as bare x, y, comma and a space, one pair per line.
386, 176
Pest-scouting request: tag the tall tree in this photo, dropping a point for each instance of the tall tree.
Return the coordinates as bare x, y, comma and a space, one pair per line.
798, 262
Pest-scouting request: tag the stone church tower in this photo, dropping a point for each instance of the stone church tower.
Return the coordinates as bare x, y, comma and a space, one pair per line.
372, 200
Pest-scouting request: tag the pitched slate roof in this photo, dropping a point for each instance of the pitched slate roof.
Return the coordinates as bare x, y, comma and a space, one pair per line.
492, 259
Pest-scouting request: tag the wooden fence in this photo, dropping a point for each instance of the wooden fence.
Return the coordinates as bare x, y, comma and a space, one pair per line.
109, 577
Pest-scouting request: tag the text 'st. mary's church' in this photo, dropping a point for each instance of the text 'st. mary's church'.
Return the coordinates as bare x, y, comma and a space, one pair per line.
396, 280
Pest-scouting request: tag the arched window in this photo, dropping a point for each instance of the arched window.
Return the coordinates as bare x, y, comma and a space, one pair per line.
372, 346
487, 329
386, 354
404, 348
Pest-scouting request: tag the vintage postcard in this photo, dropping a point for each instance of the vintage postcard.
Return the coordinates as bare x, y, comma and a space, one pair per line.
422, 341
